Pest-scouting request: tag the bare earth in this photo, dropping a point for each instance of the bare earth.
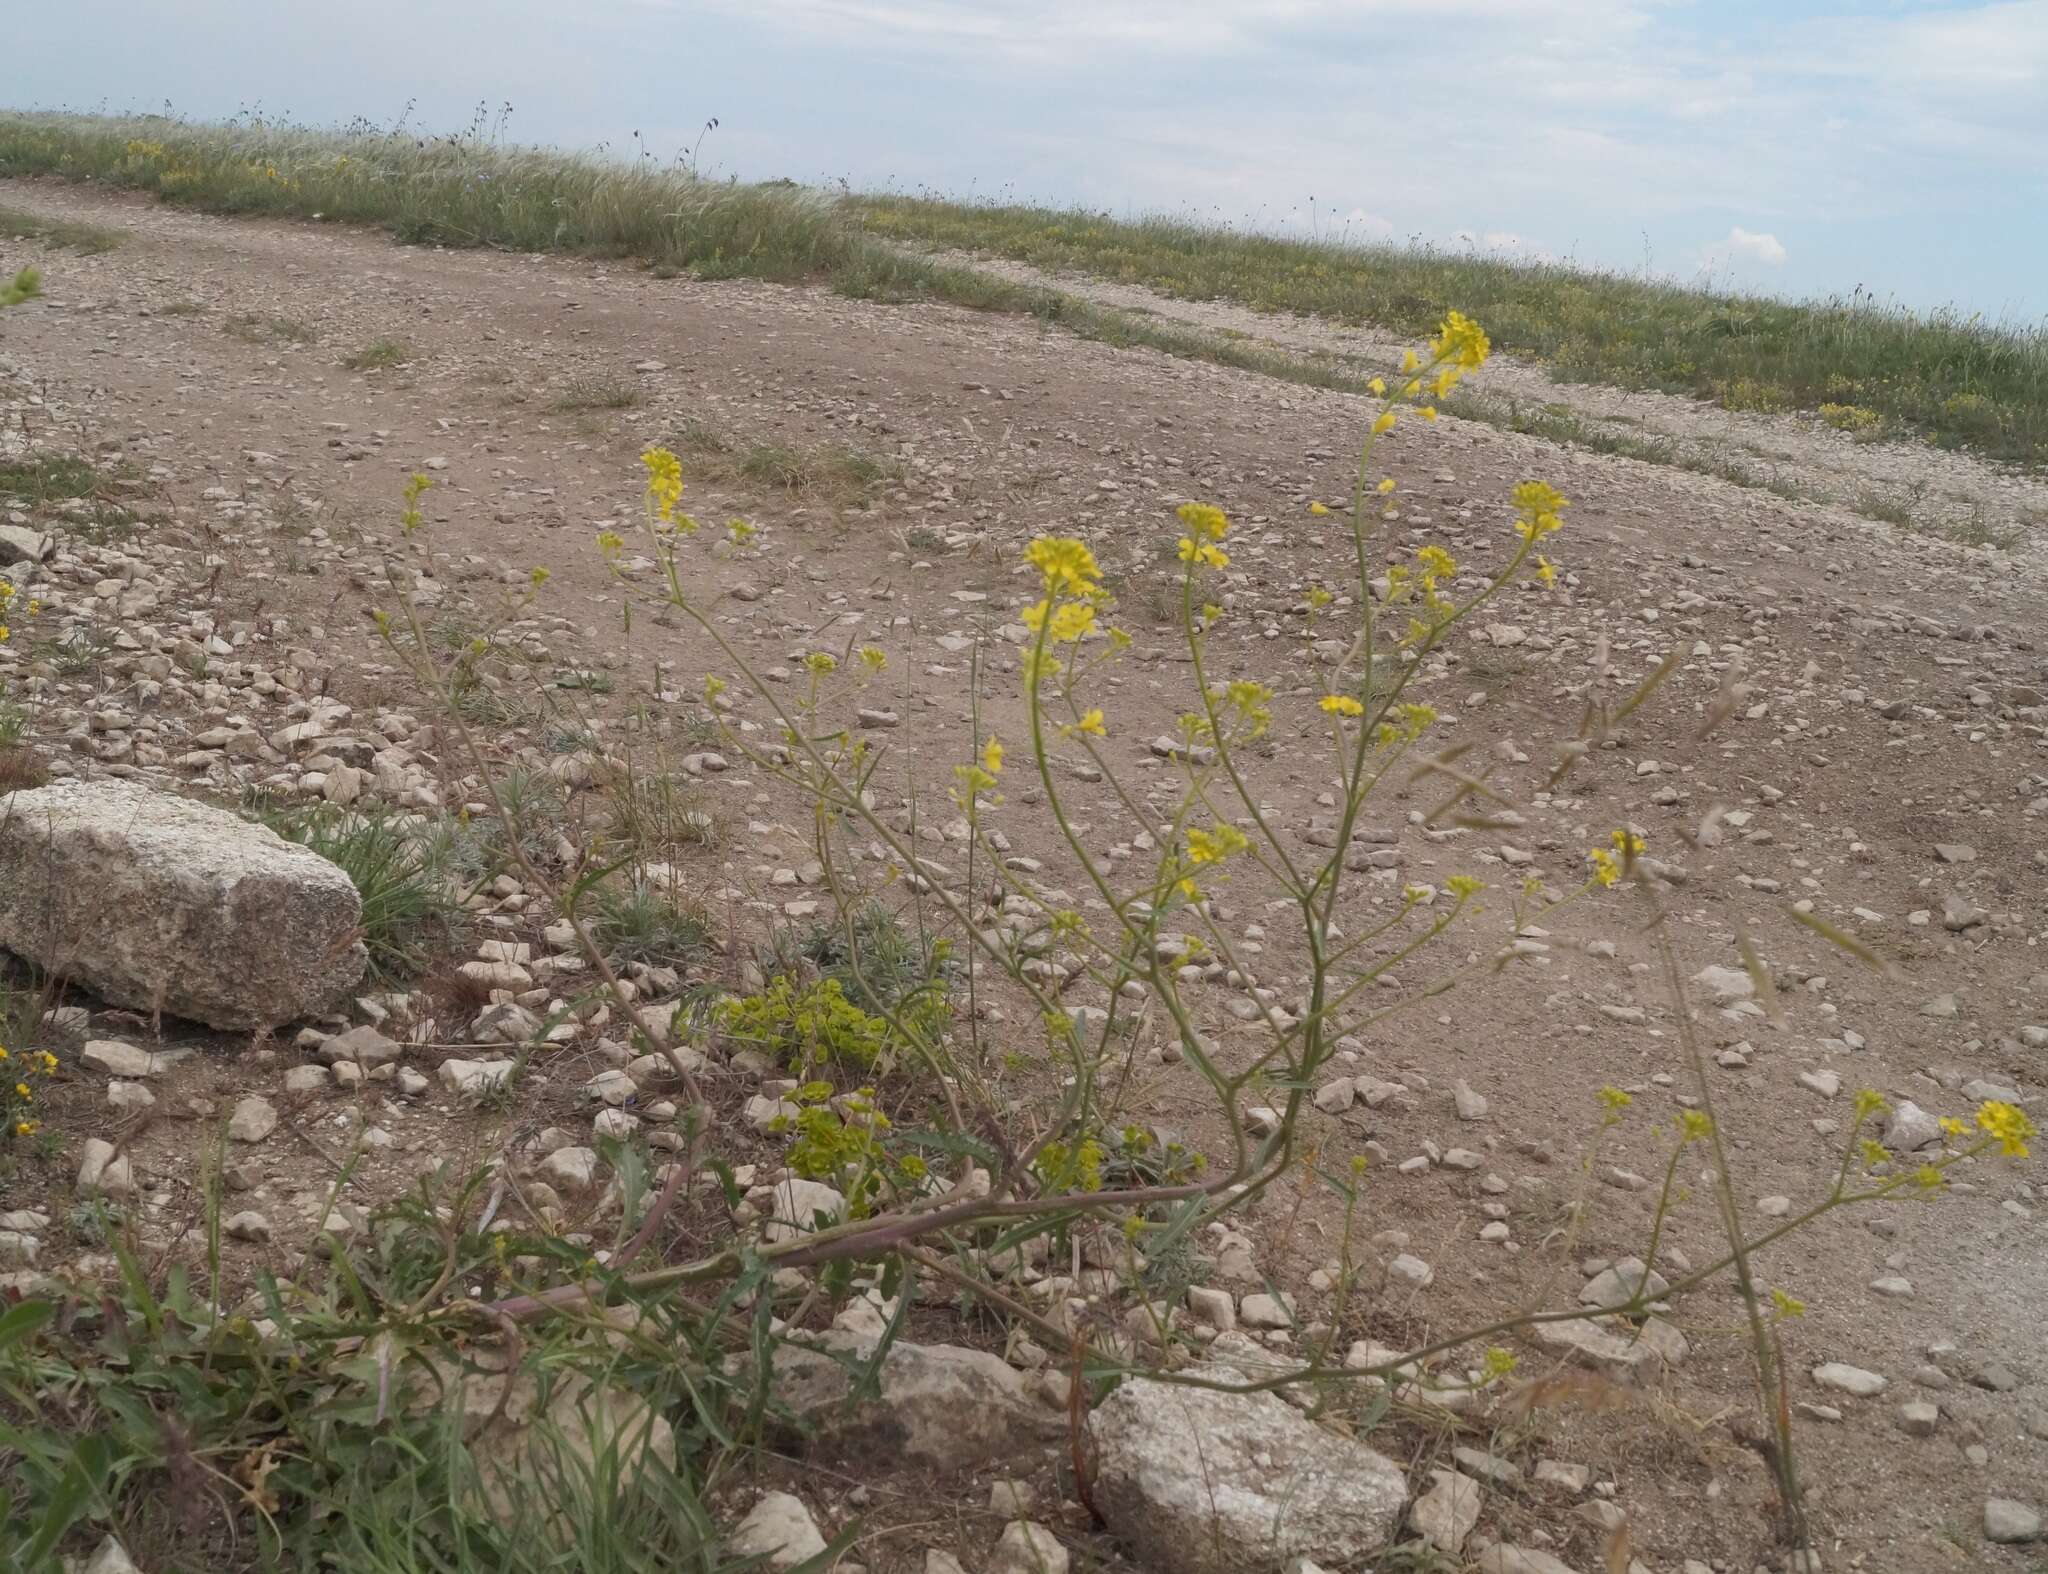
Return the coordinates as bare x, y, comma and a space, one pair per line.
1894, 699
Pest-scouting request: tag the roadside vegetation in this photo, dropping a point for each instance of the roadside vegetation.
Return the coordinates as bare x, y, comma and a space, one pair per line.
1862, 364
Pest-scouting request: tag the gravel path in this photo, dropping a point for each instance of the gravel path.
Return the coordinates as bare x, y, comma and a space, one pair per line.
1946, 491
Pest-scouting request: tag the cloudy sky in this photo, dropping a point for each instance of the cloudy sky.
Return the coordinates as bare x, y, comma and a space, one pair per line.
1798, 146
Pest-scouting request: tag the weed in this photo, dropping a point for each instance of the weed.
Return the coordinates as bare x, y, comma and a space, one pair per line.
1889, 507
20, 766
880, 961
48, 479
64, 234
1855, 419
637, 922
408, 912
262, 328
654, 816
846, 474
1977, 531
604, 391
379, 355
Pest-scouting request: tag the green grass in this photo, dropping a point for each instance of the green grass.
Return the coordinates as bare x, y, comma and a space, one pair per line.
48, 479
641, 924
86, 239
379, 355
408, 910
1955, 378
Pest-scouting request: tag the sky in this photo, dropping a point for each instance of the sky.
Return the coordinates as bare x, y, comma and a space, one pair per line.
1796, 147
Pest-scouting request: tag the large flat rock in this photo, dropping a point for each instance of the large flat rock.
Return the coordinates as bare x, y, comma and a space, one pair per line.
159, 903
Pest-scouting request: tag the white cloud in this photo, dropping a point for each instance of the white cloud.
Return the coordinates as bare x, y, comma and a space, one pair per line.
1766, 249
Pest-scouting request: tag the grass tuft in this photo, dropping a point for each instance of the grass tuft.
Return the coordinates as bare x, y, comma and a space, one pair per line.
65, 234
408, 912
605, 391
378, 355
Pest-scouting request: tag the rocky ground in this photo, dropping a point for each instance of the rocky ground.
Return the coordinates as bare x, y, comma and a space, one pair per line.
1880, 761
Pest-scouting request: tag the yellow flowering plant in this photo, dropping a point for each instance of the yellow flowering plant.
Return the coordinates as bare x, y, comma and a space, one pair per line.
1147, 926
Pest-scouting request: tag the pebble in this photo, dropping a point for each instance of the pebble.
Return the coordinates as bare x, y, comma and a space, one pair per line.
1849, 1379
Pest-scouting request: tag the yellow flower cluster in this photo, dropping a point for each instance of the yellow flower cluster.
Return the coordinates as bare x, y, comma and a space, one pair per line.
1539, 509
1212, 847
1341, 705
16, 1100
7, 595
2008, 1125
1068, 566
980, 777
665, 486
416, 488
1206, 526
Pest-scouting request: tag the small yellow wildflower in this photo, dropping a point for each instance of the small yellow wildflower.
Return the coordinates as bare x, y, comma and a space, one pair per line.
1539, 508
820, 662
1627, 843
1067, 564
873, 657
1091, 724
1461, 342
1409, 360
664, 481
1212, 847
1869, 1103
1435, 562
1463, 886
1874, 1156
1612, 1097
2008, 1124
610, 544
1385, 423
1318, 598
1073, 620
1427, 412
1191, 552
1605, 870
739, 531
1786, 1305
1252, 702
1927, 1178
21, 1092
1341, 705
538, 577
1546, 570
1499, 1363
1694, 1125
1378, 386
992, 755
1386, 485
1203, 520
1953, 1127
1318, 509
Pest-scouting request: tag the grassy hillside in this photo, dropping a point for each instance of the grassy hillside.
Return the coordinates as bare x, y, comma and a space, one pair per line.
1869, 369
1956, 380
